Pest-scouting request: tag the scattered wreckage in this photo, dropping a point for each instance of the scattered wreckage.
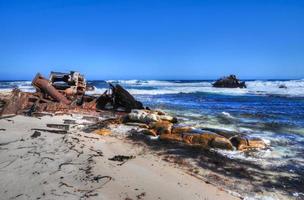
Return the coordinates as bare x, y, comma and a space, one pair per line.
65, 93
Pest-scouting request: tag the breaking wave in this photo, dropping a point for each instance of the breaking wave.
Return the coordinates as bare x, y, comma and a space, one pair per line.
25, 86
289, 88
256, 87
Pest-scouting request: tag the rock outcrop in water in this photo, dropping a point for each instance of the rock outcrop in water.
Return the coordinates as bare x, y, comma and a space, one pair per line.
229, 82
154, 123
245, 143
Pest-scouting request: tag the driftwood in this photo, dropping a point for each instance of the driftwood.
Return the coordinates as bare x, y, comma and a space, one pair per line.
90, 118
50, 130
69, 121
59, 126
101, 124
7, 116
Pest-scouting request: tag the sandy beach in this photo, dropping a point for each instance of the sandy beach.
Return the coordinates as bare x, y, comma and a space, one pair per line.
76, 165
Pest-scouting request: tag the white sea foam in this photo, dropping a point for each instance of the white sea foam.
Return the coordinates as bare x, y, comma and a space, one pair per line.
227, 114
260, 197
258, 87
294, 88
22, 85
158, 83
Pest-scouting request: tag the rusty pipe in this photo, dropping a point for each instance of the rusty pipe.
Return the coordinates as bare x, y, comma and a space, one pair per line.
43, 84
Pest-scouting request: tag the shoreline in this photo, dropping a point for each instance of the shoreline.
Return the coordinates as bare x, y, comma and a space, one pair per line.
77, 165
235, 177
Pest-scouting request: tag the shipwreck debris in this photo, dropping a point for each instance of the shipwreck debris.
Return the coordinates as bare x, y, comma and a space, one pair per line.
44, 86
103, 131
36, 134
65, 93
69, 121
99, 177
7, 116
59, 126
118, 98
122, 98
121, 158
90, 118
16, 103
50, 130
72, 83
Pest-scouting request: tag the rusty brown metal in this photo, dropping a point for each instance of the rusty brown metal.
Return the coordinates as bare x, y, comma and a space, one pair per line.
42, 84
72, 83
17, 102
65, 93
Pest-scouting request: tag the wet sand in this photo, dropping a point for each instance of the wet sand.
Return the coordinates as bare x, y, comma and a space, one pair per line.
76, 165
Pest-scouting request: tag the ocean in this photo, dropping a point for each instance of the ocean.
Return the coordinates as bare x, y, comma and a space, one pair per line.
264, 109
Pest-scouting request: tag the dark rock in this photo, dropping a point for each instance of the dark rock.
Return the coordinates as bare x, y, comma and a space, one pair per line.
243, 143
229, 82
171, 137
222, 132
161, 127
283, 86
208, 140
148, 132
182, 129
148, 116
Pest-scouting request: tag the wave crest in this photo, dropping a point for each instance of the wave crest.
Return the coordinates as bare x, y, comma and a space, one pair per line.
291, 88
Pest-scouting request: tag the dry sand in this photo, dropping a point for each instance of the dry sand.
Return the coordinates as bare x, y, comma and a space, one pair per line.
77, 166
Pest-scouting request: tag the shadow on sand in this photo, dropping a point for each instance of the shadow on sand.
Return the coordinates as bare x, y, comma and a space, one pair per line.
239, 175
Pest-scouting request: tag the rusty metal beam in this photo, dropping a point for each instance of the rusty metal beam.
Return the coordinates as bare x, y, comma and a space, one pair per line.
43, 84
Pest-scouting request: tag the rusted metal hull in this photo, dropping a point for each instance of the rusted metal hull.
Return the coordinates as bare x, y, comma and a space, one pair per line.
65, 93
72, 83
43, 85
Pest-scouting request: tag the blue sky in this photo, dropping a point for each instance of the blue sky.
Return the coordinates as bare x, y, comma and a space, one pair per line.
158, 39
